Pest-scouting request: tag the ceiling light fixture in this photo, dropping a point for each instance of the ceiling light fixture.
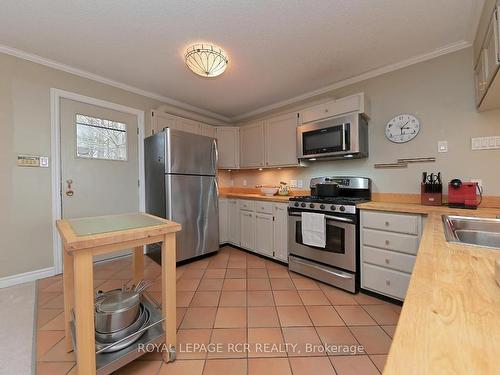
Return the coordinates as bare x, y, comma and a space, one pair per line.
206, 60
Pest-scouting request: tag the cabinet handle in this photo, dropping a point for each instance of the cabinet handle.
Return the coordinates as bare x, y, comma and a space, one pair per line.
386, 223
387, 282
326, 110
387, 242
387, 261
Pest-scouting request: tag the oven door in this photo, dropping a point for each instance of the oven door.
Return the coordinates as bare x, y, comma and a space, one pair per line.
340, 249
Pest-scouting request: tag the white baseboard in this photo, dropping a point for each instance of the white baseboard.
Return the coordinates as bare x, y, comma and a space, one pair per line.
26, 277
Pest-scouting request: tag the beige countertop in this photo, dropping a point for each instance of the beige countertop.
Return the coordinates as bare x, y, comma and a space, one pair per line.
450, 321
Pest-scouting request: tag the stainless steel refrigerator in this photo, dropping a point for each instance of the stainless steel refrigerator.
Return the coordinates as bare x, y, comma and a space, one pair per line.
181, 186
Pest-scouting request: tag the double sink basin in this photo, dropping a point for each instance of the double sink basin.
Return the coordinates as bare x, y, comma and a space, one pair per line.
474, 231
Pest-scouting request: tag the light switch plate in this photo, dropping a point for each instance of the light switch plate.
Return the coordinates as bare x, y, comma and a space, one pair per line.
293, 183
443, 146
300, 184
44, 161
485, 143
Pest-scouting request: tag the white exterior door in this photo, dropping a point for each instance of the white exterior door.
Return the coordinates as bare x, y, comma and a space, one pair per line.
99, 160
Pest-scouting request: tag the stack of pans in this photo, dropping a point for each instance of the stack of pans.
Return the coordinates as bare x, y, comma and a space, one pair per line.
119, 318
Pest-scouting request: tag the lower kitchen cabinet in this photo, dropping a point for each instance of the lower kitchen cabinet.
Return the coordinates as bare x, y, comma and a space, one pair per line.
258, 226
247, 229
280, 239
389, 245
223, 221
264, 234
233, 218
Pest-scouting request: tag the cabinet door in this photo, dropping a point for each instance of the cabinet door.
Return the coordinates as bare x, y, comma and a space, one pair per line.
252, 145
162, 120
208, 130
264, 234
281, 232
223, 221
480, 77
281, 140
247, 229
189, 126
233, 222
491, 53
228, 146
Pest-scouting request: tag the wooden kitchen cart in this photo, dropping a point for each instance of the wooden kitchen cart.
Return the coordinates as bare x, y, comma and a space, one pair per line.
88, 237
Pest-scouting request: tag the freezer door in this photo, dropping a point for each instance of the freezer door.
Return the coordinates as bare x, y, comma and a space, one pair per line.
188, 153
192, 202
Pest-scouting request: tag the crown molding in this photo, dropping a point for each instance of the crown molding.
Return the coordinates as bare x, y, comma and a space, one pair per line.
309, 95
82, 73
362, 77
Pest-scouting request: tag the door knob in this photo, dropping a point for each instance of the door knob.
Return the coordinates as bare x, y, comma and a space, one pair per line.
69, 190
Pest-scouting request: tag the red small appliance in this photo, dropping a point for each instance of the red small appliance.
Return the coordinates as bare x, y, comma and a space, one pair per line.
463, 194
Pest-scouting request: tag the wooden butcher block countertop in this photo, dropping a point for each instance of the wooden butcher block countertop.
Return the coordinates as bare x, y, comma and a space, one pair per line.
258, 197
450, 321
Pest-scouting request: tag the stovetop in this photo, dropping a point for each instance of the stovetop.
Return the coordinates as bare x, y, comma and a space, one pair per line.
343, 205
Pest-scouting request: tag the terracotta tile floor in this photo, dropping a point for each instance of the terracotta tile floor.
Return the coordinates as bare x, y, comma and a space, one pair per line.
292, 324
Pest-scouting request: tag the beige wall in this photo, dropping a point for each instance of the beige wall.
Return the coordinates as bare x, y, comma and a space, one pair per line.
25, 193
440, 93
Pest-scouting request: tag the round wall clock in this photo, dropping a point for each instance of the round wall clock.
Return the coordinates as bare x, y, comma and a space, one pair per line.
402, 128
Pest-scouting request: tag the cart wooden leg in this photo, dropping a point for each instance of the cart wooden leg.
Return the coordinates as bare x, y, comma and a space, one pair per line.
84, 312
138, 264
169, 311
68, 297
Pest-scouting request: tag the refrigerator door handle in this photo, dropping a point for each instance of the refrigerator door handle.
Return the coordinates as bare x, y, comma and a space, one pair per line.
216, 151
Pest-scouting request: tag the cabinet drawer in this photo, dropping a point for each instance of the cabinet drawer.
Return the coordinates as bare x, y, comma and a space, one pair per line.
393, 222
391, 241
392, 283
246, 205
264, 207
388, 259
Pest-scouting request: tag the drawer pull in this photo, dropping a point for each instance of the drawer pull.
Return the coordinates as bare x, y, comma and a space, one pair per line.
387, 261
386, 223
387, 242
387, 282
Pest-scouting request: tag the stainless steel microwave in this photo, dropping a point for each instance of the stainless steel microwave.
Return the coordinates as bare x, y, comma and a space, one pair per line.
333, 138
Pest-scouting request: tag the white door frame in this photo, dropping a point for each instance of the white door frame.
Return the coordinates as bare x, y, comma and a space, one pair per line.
55, 153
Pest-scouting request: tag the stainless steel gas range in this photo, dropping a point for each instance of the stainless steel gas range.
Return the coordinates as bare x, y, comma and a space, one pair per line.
338, 262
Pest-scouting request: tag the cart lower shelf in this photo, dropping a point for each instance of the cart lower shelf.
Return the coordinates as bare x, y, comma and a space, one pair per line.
106, 363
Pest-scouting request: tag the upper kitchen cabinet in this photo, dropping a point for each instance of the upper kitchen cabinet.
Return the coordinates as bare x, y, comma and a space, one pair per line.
281, 140
228, 139
252, 145
487, 79
208, 130
161, 120
352, 103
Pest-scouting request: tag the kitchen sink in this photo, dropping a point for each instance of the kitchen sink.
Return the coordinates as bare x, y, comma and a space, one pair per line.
475, 231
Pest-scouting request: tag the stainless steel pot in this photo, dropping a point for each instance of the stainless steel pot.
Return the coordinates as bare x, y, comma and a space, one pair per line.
116, 310
111, 337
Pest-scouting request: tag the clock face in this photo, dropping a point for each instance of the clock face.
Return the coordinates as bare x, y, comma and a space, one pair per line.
402, 128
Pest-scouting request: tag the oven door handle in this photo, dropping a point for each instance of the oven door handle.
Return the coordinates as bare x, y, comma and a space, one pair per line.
336, 218
342, 275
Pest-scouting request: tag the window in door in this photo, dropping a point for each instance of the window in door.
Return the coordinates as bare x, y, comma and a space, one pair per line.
98, 138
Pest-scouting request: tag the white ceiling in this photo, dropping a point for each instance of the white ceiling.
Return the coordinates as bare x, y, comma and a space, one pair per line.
277, 49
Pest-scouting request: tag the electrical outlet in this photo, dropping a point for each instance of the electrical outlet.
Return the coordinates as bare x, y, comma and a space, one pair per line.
244, 182
300, 184
443, 146
293, 183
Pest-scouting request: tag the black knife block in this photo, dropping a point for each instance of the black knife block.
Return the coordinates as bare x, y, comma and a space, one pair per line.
431, 194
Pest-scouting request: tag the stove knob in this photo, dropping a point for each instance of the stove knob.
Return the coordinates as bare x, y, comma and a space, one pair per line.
302, 205
342, 208
322, 206
333, 208
311, 205
296, 204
